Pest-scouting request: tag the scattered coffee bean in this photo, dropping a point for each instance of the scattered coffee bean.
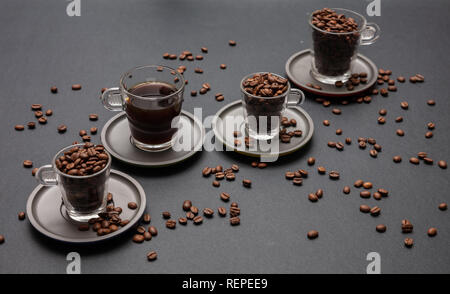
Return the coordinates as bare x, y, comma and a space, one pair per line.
139, 230
373, 153
232, 43
313, 197
62, 128
346, 190
93, 116
146, 219
407, 226
151, 256
93, 130
171, 224
442, 164
381, 228
132, 205
247, 183
432, 232
400, 132
397, 159
147, 236
326, 123
429, 135
414, 160
365, 194
311, 161
443, 206
364, 208
198, 220
409, 242
21, 215
208, 212
334, 175
153, 231
166, 214
27, 163
182, 221
216, 183
76, 87
34, 171
321, 170
234, 221
401, 79
313, 234
431, 102
138, 238
375, 211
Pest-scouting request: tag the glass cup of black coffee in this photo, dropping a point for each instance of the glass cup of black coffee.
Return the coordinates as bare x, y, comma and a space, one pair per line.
336, 35
81, 172
151, 97
265, 97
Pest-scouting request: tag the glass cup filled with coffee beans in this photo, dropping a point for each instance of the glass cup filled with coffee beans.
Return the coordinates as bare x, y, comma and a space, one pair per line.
151, 97
336, 35
265, 97
81, 173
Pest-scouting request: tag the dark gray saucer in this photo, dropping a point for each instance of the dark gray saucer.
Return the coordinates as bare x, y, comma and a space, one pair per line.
116, 139
224, 131
298, 69
44, 204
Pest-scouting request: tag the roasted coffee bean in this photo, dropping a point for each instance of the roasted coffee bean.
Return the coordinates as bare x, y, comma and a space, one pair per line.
383, 192
400, 132
187, 204
319, 193
336, 111
198, 70
313, 234
146, 219
382, 112
21, 216
132, 205
222, 211
397, 159
124, 222
234, 221
326, 123
303, 173
321, 170
401, 79
432, 232
139, 230
428, 135
297, 181
346, 190
367, 185
331, 144
230, 176
138, 238
247, 183
147, 236
166, 214
220, 175
289, 175
62, 128
2, 239
42, 120
404, 105
377, 147
76, 87
27, 163
194, 210
34, 171
407, 226
151, 256
36, 107
190, 215
93, 130
362, 144
381, 228
381, 120
216, 183
206, 171
171, 224
334, 175
313, 197
339, 146
96, 227
182, 221
49, 112
428, 161
431, 125
409, 242
198, 220
193, 93
82, 133
365, 194
224, 196
208, 212
414, 160
375, 211
443, 206
311, 161
431, 102
364, 208
31, 125
152, 230
234, 209
38, 114
442, 164
373, 153
93, 116
235, 167
262, 165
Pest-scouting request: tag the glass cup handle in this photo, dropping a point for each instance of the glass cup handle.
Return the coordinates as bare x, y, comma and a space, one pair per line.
46, 176
295, 98
370, 34
112, 99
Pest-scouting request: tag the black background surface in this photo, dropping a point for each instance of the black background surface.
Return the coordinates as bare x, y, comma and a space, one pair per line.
41, 46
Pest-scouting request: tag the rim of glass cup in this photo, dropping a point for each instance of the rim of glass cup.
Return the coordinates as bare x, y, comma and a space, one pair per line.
130, 72
259, 97
58, 154
345, 33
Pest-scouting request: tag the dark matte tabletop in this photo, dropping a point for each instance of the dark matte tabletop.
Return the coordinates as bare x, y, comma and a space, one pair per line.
42, 46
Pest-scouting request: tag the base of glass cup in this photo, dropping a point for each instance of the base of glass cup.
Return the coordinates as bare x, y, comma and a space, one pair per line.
153, 148
261, 136
84, 217
330, 80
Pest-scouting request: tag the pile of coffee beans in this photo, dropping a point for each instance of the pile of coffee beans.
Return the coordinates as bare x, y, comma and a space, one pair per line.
265, 85
220, 173
355, 80
333, 52
83, 160
286, 135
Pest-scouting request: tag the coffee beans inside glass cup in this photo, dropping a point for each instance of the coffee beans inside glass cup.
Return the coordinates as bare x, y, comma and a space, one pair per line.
265, 97
336, 35
81, 172
151, 97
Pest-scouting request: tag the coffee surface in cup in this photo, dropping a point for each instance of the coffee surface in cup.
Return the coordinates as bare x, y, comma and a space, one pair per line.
151, 119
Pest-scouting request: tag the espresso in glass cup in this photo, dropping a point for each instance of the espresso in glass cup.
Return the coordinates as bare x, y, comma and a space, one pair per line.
265, 97
337, 34
81, 172
151, 97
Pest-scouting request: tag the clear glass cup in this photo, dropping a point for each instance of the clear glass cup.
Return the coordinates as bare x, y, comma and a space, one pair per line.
334, 53
151, 97
84, 197
262, 115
